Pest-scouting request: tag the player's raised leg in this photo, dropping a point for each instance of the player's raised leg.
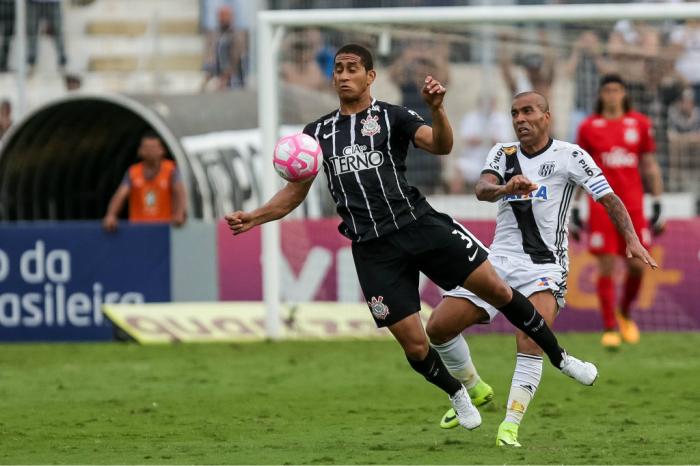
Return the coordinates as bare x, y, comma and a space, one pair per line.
527, 374
486, 284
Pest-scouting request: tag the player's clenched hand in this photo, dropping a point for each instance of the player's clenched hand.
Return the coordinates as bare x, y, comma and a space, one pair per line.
635, 249
240, 222
433, 92
519, 184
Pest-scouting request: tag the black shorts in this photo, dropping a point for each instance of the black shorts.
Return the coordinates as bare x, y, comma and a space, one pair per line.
388, 267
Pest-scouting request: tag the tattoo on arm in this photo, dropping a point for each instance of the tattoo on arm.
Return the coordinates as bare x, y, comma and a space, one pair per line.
618, 215
488, 188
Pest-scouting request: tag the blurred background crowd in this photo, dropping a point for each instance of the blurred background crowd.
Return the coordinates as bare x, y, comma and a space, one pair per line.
176, 47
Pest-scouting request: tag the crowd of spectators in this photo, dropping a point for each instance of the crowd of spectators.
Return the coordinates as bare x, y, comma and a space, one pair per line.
660, 63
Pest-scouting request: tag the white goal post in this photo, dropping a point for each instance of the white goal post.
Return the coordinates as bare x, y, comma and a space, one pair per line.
271, 27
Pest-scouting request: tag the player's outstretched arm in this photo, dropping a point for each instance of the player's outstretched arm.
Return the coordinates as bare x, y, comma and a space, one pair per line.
489, 189
621, 219
437, 139
286, 200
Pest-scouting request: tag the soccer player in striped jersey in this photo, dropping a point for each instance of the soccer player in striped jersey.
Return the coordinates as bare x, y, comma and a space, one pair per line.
533, 180
395, 233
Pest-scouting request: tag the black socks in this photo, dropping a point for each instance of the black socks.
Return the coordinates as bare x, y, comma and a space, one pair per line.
435, 372
521, 313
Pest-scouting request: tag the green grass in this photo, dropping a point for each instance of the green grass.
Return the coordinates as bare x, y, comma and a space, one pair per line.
340, 402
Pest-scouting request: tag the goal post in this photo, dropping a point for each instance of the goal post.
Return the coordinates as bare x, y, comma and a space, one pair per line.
271, 27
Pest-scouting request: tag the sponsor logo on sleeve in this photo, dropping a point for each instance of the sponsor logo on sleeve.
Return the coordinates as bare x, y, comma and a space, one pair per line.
510, 150
415, 114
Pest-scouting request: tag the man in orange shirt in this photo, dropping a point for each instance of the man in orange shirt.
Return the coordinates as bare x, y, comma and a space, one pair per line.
154, 188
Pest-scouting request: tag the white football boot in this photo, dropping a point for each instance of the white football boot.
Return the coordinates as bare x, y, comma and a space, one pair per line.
581, 371
467, 414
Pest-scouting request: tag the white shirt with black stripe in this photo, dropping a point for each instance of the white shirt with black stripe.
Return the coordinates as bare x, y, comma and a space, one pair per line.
535, 226
364, 159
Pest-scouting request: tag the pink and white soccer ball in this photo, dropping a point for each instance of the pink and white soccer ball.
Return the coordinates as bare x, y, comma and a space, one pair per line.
297, 157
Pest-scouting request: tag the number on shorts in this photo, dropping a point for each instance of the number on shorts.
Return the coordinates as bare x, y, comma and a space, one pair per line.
464, 237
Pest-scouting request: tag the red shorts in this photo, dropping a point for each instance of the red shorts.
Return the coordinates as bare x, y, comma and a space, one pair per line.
604, 238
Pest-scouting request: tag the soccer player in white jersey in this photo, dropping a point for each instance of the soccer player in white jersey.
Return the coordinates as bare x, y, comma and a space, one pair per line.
533, 181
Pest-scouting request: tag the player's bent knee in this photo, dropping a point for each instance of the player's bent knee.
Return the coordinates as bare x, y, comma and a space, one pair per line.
439, 331
500, 294
416, 350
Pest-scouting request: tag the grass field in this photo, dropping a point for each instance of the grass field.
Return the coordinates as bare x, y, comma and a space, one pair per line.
342, 402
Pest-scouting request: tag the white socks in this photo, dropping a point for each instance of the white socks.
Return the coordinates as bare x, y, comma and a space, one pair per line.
455, 354
526, 379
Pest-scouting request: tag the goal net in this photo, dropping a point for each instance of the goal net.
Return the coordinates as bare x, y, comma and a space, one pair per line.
485, 55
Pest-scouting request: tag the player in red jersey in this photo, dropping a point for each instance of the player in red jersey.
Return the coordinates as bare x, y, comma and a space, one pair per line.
622, 145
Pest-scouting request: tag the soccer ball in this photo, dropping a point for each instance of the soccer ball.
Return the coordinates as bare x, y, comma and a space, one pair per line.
297, 157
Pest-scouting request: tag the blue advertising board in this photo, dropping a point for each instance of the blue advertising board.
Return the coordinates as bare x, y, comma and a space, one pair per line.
54, 277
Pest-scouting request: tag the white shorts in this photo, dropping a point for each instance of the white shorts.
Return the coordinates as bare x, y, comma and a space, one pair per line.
524, 276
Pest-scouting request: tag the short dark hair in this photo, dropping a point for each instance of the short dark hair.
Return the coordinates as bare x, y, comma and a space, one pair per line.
613, 78
542, 101
362, 52
150, 134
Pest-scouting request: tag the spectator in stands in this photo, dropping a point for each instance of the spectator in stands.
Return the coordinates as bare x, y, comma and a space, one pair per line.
300, 66
684, 115
5, 117
226, 53
585, 66
537, 68
7, 24
634, 49
480, 130
153, 187
665, 86
420, 58
208, 13
684, 142
323, 53
50, 12
686, 40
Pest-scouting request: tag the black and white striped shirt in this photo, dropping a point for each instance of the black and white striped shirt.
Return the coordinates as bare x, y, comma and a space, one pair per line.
364, 156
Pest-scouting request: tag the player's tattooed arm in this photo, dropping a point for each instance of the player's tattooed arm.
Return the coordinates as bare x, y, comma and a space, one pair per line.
286, 200
623, 223
490, 189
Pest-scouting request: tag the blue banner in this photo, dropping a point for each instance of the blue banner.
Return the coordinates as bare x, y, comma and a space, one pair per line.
54, 277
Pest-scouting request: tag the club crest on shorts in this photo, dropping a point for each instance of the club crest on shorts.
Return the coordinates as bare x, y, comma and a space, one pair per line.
370, 126
547, 168
510, 150
378, 308
544, 281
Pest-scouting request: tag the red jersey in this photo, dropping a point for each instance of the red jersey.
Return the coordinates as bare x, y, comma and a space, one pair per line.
617, 147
